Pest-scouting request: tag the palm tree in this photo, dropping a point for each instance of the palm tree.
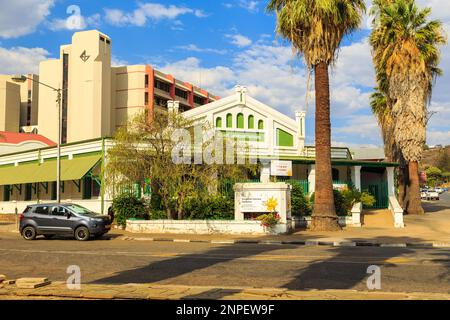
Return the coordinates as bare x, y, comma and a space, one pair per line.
382, 108
315, 29
406, 56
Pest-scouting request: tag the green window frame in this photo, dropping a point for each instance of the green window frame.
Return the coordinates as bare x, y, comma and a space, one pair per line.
229, 120
53, 190
251, 122
28, 192
261, 125
240, 121
219, 122
284, 139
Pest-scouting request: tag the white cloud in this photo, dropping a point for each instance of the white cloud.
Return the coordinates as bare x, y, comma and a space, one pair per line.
360, 126
239, 40
117, 62
194, 48
75, 23
249, 5
21, 60
438, 137
21, 17
152, 11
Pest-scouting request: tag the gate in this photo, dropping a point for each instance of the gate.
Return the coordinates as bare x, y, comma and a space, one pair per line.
380, 191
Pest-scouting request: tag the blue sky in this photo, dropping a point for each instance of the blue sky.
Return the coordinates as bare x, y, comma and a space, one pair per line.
215, 44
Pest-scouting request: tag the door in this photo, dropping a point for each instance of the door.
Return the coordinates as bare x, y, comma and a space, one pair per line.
41, 215
380, 191
61, 221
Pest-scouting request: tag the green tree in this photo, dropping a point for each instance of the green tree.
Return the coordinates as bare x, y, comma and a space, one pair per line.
434, 176
444, 160
315, 29
406, 55
147, 147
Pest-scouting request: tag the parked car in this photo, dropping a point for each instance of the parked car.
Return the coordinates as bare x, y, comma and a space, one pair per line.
432, 195
439, 190
53, 219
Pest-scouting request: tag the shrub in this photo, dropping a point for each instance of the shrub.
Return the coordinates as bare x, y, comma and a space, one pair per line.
212, 208
127, 206
269, 220
300, 203
345, 199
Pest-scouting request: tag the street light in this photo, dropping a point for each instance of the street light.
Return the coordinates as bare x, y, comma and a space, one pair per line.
22, 78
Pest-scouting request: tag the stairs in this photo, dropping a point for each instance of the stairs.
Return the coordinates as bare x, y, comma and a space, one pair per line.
378, 218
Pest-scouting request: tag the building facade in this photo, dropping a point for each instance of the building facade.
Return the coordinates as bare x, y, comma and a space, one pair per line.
19, 104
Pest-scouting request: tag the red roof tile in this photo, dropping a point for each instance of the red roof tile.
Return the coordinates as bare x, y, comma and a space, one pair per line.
16, 138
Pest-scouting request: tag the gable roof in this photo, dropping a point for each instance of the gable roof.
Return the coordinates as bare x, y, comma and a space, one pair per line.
233, 100
18, 138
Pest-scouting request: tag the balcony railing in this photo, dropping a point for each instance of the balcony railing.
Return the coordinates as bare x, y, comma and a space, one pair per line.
336, 153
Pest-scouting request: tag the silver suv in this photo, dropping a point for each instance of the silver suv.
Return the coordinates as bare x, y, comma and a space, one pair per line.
62, 219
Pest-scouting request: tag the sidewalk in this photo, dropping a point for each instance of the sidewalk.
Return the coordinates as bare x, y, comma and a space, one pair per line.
59, 290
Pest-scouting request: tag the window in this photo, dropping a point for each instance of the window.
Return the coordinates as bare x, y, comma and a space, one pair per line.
64, 97
58, 211
160, 102
146, 98
284, 139
41, 210
219, 122
199, 100
102, 39
146, 80
87, 188
181, 93
261, 125
28, 191
335, 174
162, 86
54, 190
108, 41
251, 122
29, 95
240, 121
6, 193
229, 120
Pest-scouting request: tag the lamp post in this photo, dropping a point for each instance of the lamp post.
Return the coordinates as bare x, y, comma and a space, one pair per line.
22, 79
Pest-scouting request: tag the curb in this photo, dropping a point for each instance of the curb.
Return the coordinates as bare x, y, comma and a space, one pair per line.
306, 243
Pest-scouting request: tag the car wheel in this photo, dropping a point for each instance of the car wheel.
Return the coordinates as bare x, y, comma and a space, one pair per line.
48, 236
29, 233
82, 234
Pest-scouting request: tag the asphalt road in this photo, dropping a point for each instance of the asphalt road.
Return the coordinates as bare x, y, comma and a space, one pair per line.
241, 265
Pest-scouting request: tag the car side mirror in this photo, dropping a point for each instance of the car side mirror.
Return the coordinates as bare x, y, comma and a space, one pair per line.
68, 215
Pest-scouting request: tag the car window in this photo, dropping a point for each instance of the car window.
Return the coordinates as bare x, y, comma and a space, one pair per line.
58, 211
81, 210
41, 210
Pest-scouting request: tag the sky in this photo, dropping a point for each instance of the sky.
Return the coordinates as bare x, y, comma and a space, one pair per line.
218, 44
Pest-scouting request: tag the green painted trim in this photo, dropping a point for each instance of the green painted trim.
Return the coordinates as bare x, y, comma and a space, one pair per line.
284, 139
251, 122
240, 121
229, 120
219, 122
261, 125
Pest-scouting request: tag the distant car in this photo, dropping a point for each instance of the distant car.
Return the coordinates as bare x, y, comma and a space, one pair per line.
53, 219
432, 195
439, 190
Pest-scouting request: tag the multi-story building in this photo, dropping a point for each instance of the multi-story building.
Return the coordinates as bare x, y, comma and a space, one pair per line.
96, 97
19, 104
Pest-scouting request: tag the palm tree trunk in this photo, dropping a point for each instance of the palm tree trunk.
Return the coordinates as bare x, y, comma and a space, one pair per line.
402, 185
414, 204
324, 217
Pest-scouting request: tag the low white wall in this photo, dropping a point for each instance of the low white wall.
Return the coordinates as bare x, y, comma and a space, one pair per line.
298, 222
397, 212
9, 207
204, 227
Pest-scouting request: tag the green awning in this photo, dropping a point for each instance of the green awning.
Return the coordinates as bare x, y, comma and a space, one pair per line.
33, 172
